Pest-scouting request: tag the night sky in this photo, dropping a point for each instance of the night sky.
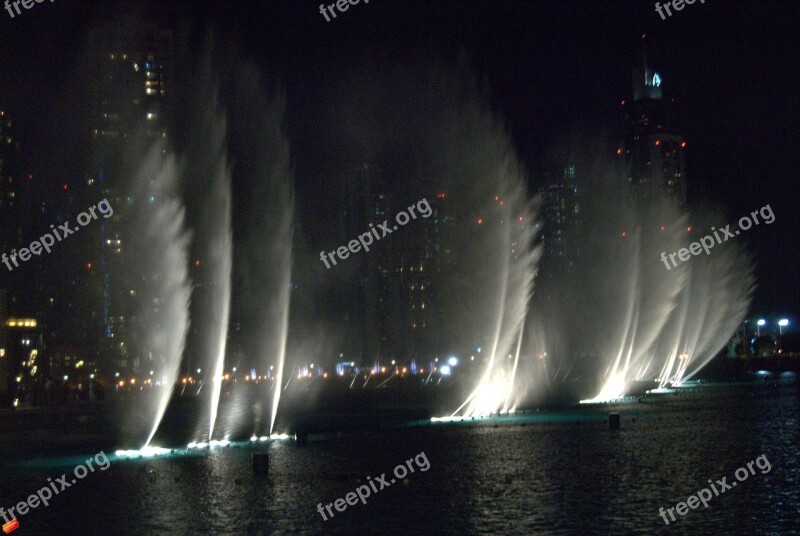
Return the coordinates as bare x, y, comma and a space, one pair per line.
548, 69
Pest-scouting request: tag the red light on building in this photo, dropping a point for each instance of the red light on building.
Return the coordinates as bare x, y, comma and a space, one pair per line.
619, 151
683, 144
66, 186
622, 103
521, 218
30, 177
197, 262
480, 221
88, 265
440, 196
688, 229
662, 228
658, 142
497, 198
624, 234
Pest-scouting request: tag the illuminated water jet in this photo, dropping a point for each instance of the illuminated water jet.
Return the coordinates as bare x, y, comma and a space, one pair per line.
158, 255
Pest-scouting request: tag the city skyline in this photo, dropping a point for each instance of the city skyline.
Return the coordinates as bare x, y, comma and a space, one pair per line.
378, 303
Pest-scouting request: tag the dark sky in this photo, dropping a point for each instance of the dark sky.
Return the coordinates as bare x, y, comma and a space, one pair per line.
546, 68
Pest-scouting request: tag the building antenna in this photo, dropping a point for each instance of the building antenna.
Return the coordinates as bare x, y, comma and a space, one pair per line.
644, 57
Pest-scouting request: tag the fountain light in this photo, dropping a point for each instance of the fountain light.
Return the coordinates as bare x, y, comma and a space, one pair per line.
449, 419
143, 452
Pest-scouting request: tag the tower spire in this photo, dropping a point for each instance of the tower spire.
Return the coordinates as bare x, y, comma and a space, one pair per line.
644, 57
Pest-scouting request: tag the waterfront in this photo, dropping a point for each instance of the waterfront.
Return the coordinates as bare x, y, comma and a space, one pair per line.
560, 472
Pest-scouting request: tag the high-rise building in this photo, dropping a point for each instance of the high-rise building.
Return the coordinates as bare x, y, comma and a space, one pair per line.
128, 89
17, 219
15, 193
559, 216
384, 284
426, 260
5, 376
363, 201
653, 144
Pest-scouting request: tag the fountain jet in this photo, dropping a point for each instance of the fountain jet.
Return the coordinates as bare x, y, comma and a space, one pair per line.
157, 260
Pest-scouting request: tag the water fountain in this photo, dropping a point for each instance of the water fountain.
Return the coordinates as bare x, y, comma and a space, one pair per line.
158, 256
209, 181
218, 268
475, 163
262, 163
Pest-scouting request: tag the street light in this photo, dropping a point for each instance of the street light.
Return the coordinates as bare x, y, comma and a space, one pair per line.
744, 338
781, 324
760, 323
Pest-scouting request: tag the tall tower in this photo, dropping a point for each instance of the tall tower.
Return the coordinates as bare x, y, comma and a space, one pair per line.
653, 145
128, 89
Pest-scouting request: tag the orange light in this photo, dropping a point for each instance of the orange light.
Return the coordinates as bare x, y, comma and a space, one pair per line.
619, 151
658, 142
480, 221
683, 144
662, 228
624, 234
688, 229
520, 218
197, 262
497, 198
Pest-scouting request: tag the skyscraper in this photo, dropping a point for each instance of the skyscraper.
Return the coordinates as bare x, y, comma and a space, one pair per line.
14, 193
560, 213
653, 145
128, 90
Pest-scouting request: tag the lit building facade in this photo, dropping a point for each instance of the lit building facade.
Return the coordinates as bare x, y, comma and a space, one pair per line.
23, 351
653, 145
128, 93
560, 218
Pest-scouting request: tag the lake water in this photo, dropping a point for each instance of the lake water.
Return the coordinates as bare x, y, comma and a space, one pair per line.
562, 472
